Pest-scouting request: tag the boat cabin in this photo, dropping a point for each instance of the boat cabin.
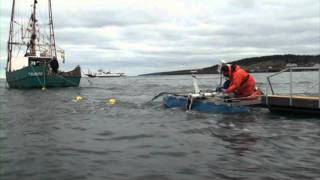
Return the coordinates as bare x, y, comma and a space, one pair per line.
39, 61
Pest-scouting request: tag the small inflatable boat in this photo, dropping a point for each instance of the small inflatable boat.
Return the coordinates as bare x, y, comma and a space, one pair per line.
210, 101
210, 104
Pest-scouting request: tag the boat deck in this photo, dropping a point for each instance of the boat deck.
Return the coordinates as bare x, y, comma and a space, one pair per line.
292, 104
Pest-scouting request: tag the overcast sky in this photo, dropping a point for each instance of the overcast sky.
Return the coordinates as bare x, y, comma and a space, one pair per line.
143, 36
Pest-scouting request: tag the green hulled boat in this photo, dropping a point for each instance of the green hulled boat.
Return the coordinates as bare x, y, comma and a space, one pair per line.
40, 76
38, 67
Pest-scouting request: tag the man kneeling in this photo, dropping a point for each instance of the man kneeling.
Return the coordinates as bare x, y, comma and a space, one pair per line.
239, 82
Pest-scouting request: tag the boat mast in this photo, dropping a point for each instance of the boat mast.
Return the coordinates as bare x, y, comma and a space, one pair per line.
52, 38
33, 30
8, 67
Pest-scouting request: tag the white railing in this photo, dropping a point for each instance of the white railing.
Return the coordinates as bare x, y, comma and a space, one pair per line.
291, 68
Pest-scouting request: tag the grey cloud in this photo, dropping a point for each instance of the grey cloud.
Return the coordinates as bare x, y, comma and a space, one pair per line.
101, 18
243, 4
77, 37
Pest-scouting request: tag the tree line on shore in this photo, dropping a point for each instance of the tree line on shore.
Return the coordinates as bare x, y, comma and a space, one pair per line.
261, 64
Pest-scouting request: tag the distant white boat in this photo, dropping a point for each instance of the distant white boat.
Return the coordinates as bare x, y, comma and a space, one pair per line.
104, 74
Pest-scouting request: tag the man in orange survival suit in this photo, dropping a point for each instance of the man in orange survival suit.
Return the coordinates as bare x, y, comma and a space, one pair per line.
241, 83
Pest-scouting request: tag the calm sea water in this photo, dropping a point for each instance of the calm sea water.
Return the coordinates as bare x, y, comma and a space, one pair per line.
48, 135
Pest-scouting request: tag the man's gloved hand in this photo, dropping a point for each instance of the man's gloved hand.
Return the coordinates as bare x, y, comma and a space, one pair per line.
219, 89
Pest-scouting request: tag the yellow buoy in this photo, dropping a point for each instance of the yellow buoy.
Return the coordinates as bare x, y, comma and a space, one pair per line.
44, 88
112, 101
78, 98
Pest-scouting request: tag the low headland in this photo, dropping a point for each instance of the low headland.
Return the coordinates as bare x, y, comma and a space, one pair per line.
261, 64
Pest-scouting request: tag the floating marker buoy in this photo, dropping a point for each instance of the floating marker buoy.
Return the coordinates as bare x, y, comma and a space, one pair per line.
43, 88
112, 101
78, 98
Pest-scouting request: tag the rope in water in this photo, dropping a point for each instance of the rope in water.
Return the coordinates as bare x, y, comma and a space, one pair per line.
37, 76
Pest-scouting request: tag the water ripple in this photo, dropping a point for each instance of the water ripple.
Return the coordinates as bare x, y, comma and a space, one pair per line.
47, 135
132, 137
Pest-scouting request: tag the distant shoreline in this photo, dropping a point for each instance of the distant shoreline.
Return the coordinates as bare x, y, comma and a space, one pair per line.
263, 64
308, 70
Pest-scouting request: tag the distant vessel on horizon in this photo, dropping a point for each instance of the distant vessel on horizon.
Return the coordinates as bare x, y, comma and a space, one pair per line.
104, 74
32, 60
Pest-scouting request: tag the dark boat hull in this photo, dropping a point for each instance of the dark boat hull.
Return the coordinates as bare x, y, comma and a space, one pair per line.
38, 77
203, 106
